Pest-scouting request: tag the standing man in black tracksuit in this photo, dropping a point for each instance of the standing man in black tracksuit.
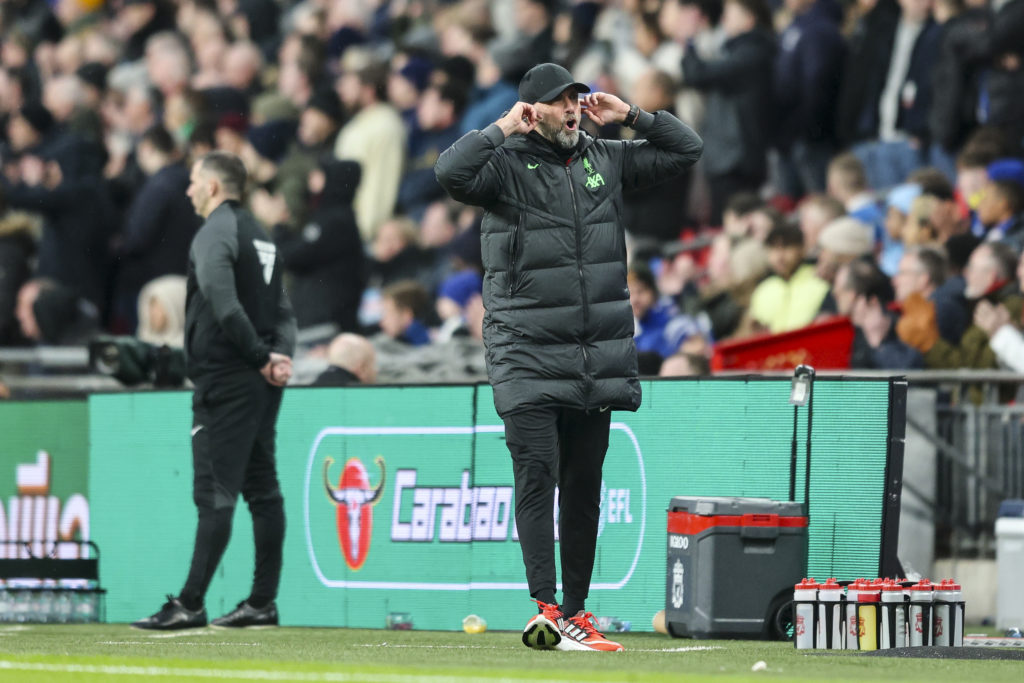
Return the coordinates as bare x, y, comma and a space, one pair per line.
559, 327
239, 338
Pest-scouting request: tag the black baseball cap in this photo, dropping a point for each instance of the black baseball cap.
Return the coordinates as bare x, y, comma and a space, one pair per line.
545, 82
326, 101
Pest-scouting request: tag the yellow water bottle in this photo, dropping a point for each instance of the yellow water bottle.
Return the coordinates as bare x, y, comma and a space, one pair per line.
867, 618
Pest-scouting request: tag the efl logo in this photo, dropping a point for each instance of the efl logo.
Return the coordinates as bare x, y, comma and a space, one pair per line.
354, 499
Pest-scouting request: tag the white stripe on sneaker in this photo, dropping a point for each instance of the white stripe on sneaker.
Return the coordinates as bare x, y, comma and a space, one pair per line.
576, 632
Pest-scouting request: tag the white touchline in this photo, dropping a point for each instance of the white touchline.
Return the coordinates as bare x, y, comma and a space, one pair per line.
135, 643
251, 674
442, 647
696, 648
181, 634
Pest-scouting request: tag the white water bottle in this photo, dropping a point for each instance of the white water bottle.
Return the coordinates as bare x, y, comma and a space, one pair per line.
851, 628
805, 594
46, 603
941, 614
87, 603
920, 622
894, 626
829, 634
949, 609
959, 608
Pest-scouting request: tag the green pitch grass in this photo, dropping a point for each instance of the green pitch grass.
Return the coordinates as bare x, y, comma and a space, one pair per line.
111, 653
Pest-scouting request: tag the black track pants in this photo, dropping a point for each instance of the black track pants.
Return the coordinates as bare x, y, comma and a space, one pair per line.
233, 431
566, 447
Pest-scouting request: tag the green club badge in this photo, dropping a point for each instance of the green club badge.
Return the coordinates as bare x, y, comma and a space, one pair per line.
594, 179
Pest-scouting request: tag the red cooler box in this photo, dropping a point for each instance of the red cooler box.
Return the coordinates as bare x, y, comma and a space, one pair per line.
732, 564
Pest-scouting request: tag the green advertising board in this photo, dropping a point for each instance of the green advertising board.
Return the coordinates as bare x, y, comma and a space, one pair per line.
44, 466
399, 499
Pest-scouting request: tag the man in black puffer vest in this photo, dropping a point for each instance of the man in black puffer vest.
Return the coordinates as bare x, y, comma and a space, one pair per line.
559, 327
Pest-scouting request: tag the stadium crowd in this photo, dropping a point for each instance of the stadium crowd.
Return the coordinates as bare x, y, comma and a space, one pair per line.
863, 158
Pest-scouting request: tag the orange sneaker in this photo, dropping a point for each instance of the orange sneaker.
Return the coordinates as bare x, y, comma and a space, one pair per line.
580, 633
543, 631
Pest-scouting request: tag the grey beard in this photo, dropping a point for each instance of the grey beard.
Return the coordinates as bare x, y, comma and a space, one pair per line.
566, 139
559, 136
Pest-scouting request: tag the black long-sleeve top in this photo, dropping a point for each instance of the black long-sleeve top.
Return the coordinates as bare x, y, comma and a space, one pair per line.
236, 310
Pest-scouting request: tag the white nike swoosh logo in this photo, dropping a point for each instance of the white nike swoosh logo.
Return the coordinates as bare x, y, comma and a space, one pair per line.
195, 430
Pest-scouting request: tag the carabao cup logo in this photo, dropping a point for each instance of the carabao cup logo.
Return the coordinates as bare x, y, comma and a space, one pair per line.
355, 500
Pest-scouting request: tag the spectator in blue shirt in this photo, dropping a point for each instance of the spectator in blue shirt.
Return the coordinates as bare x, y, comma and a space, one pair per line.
659, 326
402, 308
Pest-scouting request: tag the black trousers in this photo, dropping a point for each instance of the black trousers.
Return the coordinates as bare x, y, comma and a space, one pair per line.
233, 431
567, 447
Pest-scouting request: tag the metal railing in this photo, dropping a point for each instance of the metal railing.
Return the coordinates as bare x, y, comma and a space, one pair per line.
980, 464
978, 437
59, 371
51, 371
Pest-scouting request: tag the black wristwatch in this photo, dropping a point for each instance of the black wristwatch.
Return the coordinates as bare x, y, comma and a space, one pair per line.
631, 116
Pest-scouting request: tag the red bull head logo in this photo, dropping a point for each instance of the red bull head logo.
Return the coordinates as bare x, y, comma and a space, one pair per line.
355, 500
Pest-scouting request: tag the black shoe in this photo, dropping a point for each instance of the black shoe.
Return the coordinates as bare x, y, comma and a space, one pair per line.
172, 617
247, 616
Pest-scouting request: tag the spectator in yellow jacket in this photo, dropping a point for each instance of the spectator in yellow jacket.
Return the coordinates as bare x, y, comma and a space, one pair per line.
792, 295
